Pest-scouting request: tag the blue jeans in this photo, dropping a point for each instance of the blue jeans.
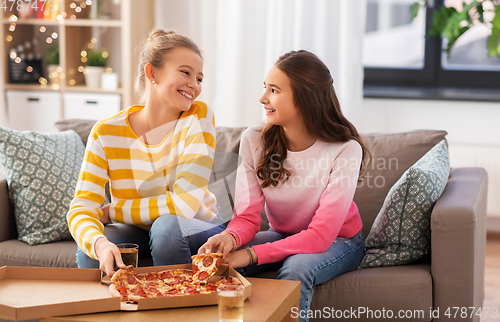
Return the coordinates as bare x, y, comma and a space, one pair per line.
171, 240
343, 255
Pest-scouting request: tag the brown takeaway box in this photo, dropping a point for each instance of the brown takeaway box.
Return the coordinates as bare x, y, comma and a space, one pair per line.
38, 292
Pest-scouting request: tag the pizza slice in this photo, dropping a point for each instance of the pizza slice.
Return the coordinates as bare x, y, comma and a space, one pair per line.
127, 285
206, 265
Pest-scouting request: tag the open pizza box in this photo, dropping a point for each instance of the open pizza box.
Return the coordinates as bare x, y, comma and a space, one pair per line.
39, 292
187, 300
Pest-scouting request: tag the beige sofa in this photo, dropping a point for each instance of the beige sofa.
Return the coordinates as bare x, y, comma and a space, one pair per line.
453, 276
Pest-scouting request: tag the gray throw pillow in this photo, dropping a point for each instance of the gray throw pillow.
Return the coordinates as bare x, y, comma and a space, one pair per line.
401, 231
82, 127
392, 155
42, 170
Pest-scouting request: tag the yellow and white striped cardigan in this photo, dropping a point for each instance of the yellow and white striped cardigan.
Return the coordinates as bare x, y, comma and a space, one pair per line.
146, 181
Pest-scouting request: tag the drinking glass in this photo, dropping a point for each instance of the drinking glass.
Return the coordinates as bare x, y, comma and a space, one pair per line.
130, 253
230, 299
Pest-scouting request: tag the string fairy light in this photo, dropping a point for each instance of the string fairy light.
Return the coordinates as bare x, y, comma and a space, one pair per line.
13, 19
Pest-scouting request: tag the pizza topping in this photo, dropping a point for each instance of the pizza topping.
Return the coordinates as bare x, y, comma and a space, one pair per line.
122, 290
172, 292
152, 284
189, 289
131, 280
166, 275
206, 265
140, 291
203, 276
207, 261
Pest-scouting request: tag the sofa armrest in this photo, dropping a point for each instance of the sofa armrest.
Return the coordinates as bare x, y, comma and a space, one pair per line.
7, 220
458, 242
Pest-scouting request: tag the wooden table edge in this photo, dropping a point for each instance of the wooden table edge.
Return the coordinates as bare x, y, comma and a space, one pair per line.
284, 311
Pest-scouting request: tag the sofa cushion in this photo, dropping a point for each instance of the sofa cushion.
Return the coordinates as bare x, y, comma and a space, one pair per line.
390, 289
226, 161
42, 171
16, 253
377, 289
392, 155
59, 254
401, 232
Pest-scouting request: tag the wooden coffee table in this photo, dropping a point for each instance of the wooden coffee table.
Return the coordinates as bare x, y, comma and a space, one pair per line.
271, 300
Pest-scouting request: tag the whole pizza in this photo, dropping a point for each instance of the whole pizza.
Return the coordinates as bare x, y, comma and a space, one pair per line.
130, 286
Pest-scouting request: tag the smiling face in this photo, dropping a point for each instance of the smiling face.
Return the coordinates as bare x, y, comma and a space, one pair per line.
278, 100
178, 81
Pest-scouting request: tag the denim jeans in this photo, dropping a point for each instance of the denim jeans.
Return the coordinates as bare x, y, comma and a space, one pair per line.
343, 255
171, 240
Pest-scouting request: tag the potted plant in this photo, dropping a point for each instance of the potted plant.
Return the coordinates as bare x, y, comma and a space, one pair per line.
52, 63
451, 24
96, 61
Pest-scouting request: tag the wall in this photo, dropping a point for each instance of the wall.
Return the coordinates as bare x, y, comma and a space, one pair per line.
473, 133
241, 40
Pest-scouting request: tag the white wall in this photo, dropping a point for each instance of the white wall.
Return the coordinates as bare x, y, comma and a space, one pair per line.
465, 121
241, 40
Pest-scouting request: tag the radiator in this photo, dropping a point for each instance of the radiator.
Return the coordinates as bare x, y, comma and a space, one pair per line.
487, 157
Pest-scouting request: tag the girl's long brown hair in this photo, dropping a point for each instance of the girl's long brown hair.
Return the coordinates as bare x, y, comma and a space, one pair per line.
315, 98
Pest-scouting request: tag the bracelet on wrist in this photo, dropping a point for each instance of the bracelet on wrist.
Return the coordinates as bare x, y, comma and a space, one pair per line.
251, 255
233, 241
231, 232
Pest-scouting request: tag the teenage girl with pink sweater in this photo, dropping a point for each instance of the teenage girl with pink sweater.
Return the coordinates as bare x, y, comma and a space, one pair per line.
304, 162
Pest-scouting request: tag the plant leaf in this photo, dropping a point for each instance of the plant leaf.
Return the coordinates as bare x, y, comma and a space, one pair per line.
440, 19
480, 12
492, 44
494, 39
452, 29
451, 24
415, 7
496, 21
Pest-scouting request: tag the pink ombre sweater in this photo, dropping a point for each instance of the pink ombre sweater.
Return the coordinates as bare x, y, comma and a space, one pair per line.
311, 209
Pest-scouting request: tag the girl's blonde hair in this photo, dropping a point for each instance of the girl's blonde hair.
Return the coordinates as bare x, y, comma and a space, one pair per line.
154, 50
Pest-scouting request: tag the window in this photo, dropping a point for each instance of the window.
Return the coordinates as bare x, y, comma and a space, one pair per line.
401, 62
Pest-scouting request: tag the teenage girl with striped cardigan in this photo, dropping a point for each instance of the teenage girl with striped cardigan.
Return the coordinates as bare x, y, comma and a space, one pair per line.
157, 158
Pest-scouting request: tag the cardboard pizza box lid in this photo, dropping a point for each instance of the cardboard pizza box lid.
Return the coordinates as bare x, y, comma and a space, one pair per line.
188, 300
38, 292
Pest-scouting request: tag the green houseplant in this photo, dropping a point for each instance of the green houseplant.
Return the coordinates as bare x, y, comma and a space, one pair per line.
451, 24
97, 57
51, 57
96, 61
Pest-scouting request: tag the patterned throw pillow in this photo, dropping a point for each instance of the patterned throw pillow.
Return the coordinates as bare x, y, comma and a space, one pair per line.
401, 232
42, 171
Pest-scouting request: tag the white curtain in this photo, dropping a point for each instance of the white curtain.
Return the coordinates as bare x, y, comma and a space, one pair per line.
241, 40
